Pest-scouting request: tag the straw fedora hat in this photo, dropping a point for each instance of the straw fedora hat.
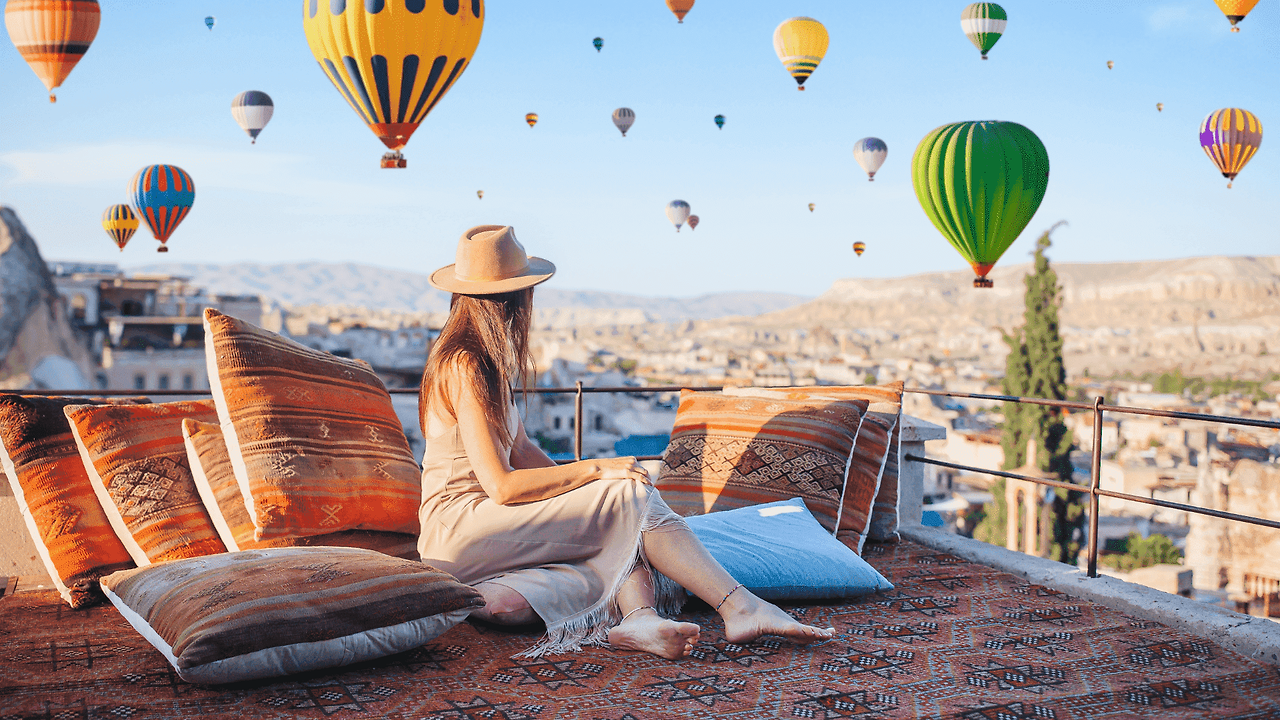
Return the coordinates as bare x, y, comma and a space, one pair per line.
489, 261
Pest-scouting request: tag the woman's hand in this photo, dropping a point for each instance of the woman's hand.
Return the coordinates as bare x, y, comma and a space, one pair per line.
623, 468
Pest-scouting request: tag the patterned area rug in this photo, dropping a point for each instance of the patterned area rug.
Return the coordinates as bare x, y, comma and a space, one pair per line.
954, 640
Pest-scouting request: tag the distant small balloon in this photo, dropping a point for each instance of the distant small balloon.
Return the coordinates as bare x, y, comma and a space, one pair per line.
810, 207
252, 111
480, 194
209, 21
859, 248
1159, 107
677, 213
680, 8
531, 118
870, 153
693, 222
720, 121
1111, 64
120, 223
598, 42
983, 23
623, 118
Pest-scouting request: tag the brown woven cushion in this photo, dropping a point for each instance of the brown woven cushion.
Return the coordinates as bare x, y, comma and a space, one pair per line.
137, 464
731, 452
314, 441
216, 482
270, 612
71, 532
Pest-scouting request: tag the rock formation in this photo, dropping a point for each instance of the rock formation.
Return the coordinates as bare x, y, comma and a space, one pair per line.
38, 346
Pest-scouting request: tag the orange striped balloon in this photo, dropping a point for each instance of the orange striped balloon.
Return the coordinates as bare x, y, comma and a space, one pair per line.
1230, 137
163, 195
52, 35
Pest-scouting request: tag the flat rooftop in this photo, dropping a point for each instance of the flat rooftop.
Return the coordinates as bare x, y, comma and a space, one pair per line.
955, 639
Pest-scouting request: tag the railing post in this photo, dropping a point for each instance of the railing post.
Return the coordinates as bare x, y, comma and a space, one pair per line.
1095, 479
577, 422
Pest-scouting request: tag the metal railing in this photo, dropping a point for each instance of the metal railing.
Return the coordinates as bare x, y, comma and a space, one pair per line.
1098, 407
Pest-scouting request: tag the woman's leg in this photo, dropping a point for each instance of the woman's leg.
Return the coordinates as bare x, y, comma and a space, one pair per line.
677, 553
503, 606
642, 628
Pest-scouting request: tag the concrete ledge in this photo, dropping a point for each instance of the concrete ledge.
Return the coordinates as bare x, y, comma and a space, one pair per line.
1256, 638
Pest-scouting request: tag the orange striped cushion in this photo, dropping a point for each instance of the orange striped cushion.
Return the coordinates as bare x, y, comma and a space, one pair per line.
216, 482
314, 441
137, 463
731, 452
56, 498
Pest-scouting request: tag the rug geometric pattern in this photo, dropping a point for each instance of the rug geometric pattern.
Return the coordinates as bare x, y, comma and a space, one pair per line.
953, 640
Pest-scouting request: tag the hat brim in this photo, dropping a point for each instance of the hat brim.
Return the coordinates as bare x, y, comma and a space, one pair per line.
446, 278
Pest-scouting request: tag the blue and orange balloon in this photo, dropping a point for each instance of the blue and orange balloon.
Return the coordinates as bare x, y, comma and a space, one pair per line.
163, 195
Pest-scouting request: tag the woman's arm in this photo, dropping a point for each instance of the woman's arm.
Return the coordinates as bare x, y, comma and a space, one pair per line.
506, 485
526, 453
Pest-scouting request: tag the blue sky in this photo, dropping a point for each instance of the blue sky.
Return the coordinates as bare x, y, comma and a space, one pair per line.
1133, 183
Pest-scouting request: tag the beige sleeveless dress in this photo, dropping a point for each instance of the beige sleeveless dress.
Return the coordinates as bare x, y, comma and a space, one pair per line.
567, 555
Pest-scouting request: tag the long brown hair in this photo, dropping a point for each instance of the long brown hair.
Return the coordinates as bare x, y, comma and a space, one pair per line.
485, 342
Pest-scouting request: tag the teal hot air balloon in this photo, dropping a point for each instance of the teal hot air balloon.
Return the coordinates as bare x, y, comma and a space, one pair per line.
980, 183
983, 23
720, 121
163, 195
209, 21
598, 43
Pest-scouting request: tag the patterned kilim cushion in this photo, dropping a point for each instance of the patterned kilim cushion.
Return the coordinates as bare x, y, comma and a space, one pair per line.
885, 412
314, 441
731, 452
137, 464
56, 498
216, 482
278, 611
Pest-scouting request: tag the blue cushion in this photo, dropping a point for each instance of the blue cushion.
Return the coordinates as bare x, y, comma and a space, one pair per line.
779, 552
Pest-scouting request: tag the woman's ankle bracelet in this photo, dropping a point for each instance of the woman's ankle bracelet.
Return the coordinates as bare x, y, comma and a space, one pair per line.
726, 597
633, 612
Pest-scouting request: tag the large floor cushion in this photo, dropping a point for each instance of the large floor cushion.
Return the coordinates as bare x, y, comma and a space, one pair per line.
215, 480
137, 463
313, 439
278, 611
731, 452
779, 552
55, 497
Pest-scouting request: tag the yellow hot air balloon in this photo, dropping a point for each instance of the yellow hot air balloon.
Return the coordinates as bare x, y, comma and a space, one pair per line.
811, 207
531, 118
1159, 107
52, 35
800, 42
859, 248
1111, 64
480, 194
1235, 10
393, 61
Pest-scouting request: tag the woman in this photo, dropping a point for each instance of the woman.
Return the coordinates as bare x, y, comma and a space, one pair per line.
588, 547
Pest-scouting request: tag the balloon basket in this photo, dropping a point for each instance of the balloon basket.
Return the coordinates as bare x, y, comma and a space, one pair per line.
984, 57
162, 248
53, 98
801, 88
393, 160
1235, 29
982, 282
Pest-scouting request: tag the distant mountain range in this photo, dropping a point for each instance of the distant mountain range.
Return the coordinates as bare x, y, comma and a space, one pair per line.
351, 284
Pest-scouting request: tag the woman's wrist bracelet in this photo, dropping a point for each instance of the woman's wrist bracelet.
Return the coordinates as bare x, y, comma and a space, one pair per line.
726, 597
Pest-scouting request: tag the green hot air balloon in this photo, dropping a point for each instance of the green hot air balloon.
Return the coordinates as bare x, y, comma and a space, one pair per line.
980, 183
983, 23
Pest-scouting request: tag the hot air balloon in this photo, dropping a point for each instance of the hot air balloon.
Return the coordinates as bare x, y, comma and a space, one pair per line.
811, 206
1111, 64
680, 8
980, 183
859, 248
1230, 137
208, 22
720, 121
1235, 10
531, 118
252, 111
163, 195
800, 43
693, 222
870, 153
677, 213
623, 118
120, 223
983, 23
480, 194
598, 42
1159, 107
52, 35
393, 61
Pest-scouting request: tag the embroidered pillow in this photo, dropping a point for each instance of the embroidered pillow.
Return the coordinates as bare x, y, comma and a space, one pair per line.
779, 552
879, 456
216, 483
272, 612
55, 496
137, 464
313, 439
731, 452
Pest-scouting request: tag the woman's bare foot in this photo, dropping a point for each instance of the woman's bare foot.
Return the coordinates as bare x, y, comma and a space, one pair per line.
747, 617
647, 631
